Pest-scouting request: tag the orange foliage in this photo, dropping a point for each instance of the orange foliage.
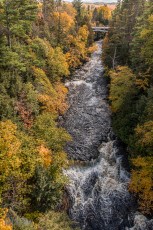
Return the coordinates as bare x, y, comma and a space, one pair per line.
83, 33
61, 105
72, 59
142, 183
69, 9
47, 103
145, 134
46, 155
106, 11
52, 98
9, 149
142, 83
92, 49
55, 104
3, 225
24, 112
77, 48
66, 21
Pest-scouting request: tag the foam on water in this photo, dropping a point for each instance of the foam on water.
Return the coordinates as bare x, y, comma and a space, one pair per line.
78, 83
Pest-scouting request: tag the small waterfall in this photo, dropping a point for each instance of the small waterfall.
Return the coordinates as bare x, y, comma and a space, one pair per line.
98, 192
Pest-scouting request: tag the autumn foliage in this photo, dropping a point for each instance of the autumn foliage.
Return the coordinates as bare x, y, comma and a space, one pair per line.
3, 224
141, 182
128, 57
40, 44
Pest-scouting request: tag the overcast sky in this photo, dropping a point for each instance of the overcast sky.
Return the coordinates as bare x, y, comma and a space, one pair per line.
105, 1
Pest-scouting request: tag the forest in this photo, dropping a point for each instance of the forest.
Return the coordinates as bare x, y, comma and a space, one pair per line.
128, 59
41, 44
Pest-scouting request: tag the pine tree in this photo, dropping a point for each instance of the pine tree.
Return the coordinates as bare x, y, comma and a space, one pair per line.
16, 17
77, 4
47, 8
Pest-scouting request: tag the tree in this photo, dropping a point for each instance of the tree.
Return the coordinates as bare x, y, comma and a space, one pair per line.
121, 33
144, 134
55, 221
3, 225
141, 183
48, 187
47, 8
142, 43
95, 15
62, 25
122, 83
16, 17
38, 40
45, 129
131, 90
51, 60
77, 4
9, 150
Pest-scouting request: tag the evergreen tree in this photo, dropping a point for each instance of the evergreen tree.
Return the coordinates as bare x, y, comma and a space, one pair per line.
48, 8
121, 32
130, 42
16, 17
77, 4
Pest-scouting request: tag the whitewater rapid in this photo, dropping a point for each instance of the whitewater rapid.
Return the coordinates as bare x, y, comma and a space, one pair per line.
98, 191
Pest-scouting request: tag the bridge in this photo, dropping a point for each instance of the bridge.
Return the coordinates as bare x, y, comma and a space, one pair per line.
103, 29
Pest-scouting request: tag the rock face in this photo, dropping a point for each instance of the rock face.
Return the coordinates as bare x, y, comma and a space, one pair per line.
98, 192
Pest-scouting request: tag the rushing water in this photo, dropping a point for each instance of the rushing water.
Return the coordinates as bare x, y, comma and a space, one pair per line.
99, 197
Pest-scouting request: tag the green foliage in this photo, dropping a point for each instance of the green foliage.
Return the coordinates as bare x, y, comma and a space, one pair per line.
55, 221
144, 134
120, 35
38, 40
45, 128
16, 17
53, 61
6, 106
31, 98
130, 41
20, 223
42, 83
122, 86
142, 43
122, 94
48, 186
58, 66
77, 4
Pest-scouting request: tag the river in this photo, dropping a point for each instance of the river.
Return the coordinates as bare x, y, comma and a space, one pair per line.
98, 187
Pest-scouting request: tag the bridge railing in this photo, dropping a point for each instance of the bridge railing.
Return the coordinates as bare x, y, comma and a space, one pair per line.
100, 28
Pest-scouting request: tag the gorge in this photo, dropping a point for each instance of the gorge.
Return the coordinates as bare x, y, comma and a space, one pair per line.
98, 191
